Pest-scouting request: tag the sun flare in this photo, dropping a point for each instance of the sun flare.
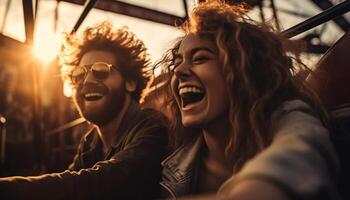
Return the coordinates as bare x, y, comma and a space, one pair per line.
46, 47
67, 90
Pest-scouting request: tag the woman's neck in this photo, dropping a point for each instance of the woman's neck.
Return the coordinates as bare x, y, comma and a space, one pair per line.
216, 137
214, 168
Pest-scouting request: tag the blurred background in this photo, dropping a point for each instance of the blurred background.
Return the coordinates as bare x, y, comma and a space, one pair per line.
39, 126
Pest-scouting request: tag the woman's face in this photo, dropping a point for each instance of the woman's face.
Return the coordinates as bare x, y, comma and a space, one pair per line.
198, 83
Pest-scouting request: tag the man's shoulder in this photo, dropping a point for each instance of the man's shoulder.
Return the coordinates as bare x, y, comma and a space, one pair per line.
147, 126
148, 121
152, 116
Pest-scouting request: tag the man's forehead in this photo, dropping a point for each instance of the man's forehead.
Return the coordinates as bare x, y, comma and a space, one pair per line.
93, 56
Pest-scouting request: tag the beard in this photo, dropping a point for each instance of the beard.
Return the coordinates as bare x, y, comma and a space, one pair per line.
103, 110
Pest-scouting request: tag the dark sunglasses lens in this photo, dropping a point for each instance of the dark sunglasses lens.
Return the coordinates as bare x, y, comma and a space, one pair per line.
100, 71
78, 74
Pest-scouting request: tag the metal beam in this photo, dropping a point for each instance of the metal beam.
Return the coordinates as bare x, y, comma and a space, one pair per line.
88, 6
66, 126
340, 21
273, 7
318, 19
185, 8
316, 49
7, 8
133, 11
29, 20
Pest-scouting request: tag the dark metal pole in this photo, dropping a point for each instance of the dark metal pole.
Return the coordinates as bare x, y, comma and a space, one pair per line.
88, 6
316, 20
29, 20
56, 16
341, 21
185, 8
7, 8
66, 126
261, 11
131, 10
36, 3
274, 11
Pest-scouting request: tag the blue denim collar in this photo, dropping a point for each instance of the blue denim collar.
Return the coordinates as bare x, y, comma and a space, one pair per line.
179, 169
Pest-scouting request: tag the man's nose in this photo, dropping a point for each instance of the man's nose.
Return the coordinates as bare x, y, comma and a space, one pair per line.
90, 78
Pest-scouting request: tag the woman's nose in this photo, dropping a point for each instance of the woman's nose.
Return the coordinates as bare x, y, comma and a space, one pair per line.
182, 71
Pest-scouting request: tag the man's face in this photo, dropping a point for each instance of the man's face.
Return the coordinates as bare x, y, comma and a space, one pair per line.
99, 100
198, 83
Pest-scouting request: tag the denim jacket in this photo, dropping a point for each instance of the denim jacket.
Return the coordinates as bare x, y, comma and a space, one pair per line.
301, 159
179, 170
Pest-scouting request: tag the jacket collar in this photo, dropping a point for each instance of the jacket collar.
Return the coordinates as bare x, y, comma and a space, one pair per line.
179, 168
91, 135
126, 123
92, 150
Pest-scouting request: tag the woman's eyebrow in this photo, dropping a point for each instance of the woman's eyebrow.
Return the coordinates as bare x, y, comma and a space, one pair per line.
195, 50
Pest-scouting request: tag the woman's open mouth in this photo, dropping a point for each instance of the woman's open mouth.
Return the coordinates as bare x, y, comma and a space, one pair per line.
190, 95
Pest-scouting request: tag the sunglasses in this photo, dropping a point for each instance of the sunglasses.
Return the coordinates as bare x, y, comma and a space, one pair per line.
100, 70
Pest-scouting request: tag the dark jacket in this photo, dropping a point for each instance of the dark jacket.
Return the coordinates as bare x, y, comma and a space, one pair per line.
131, 170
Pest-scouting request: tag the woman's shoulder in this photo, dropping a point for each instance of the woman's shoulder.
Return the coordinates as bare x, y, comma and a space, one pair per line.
294, 112
293, 105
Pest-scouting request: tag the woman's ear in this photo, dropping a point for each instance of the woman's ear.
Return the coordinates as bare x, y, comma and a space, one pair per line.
130, 86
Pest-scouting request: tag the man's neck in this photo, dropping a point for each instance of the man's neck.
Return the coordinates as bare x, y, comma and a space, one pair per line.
107, 132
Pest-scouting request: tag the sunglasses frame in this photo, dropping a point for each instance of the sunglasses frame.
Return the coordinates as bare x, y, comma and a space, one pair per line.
88, 68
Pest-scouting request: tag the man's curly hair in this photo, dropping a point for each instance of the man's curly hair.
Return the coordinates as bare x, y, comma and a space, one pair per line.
130, 53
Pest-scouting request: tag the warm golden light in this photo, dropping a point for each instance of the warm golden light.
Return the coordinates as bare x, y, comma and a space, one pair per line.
46, 47
67, 90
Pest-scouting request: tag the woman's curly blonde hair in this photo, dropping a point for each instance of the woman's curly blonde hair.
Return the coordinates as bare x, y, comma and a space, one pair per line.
131, 53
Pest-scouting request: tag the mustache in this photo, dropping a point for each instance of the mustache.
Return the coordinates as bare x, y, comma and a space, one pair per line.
93, 87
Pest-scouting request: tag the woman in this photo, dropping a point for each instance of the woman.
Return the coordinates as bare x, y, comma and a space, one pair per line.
245, 126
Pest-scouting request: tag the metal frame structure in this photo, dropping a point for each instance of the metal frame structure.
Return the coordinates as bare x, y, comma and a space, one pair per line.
168, 19
29, 20
332, 13
340, 20
329, 14
129, 10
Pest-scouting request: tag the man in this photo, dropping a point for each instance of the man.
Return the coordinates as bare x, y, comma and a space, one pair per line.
120, 157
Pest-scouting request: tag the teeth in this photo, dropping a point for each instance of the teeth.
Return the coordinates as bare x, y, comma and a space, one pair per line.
190, 90
95, 94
